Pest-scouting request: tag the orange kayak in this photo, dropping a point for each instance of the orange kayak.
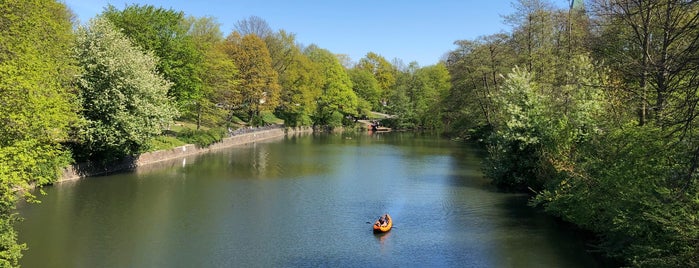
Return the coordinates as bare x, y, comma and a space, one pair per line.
382, 228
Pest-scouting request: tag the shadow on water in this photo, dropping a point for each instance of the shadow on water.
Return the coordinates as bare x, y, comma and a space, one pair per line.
305, 201
565, 239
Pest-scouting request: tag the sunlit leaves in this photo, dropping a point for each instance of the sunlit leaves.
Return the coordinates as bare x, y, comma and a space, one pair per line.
164, 32
36, 105
259, 88
124, 99
337, 95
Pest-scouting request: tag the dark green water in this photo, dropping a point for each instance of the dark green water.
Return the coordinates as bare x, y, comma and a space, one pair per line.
298, 201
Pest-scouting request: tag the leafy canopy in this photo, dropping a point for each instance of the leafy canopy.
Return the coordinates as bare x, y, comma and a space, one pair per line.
124, 98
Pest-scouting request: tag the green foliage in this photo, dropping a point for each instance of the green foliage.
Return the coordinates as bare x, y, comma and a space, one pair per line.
300, 79
201, 138
163, 143
36, 105
219, 75
259, 88
335, 120
417, 97
165, 33
633, 193
435, 86
124, 98
337, 94
515, 149
476, 68
366, 87
567, 130
384, 73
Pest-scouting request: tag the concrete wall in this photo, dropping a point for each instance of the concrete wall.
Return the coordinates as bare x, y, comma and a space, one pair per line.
89, 169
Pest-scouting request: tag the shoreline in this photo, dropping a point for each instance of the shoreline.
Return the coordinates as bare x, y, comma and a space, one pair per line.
84, 170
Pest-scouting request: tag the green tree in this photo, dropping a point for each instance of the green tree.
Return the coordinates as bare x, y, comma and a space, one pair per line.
538, 129
337, 99
436, 83
656, 56
476, 69
124, 98
259, 88
365, 86
299, 78
533, 37
384, 72
283, 50
165, 33
219, 71
417, 97
37, 106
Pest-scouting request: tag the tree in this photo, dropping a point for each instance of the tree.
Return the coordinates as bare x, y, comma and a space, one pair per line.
657, 52
37, 105
533, 34
383, 71
124, 98
283, 50
436, 83
219, 74
365, 86
259, 86
337, 99
253, 25
299, 78
476, 69
165, 33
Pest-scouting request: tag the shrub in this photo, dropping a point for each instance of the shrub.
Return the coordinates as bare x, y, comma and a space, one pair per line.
201, 138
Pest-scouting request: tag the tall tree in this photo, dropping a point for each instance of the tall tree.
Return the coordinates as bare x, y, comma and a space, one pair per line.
299, 78
124, 98
533, 37
365, 86
384, 72
253, 25
337, 99
436, 83
476, 68
657, 55
219, 74
165, 33
37, 105
259, 86
283, 50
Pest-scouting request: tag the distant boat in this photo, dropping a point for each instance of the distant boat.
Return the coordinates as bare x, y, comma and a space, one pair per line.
380, 227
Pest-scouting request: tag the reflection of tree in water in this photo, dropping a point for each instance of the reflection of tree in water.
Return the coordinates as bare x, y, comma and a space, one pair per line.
260, 155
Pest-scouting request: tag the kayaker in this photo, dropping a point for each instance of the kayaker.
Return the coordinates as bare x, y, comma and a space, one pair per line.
383, 220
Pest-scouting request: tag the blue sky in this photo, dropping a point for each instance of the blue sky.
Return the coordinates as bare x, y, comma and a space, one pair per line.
409, 30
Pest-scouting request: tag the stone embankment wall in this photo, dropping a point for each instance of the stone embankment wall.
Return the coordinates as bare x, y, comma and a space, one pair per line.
89, 169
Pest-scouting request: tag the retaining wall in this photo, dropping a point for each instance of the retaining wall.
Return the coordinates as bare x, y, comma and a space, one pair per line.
89, 169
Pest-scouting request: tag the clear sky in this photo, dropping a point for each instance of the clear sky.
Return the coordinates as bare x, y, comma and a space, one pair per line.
410, 30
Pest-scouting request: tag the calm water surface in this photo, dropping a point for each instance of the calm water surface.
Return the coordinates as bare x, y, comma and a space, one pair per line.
298, 201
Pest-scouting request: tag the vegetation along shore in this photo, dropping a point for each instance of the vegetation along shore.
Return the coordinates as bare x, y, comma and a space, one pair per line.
591, 109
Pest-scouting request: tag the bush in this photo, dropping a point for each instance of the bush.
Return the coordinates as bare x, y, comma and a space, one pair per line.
201, 138
335, 119
163, 143
630, 188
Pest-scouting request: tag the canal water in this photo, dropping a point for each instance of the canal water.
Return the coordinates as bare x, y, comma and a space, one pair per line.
298, 201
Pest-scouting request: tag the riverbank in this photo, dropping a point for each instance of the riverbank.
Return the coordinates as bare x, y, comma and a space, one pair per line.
89, 169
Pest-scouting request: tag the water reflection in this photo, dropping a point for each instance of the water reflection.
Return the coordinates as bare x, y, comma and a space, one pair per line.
298, 201
382, 238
